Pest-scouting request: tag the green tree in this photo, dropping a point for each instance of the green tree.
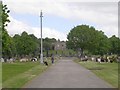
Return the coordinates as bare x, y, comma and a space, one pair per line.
26, 44
7, 42
17, 42
36, 45
0, 29
6, 51
115, 45
88, 38
101, 45
5, 15
48, 44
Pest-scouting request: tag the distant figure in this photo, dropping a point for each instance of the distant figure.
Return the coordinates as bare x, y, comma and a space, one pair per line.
52, 59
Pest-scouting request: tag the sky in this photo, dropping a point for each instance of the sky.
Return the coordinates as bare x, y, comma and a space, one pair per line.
60, 16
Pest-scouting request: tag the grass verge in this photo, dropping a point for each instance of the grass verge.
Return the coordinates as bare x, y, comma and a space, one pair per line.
106, 71
15, 75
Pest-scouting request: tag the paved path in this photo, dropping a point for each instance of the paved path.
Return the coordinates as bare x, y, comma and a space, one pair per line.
67, 74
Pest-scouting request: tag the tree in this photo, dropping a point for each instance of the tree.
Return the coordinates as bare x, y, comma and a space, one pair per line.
26, 44
88, 38
0, 29
115, 45
7, 43
5, 15
102, 44
36, 45
48, 44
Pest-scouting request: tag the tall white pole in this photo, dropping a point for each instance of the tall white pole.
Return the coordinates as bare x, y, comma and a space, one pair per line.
41, 55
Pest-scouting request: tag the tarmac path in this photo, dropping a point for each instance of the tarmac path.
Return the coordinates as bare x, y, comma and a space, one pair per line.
67, 74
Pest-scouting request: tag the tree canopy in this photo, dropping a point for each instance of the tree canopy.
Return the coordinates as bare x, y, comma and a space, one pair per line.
86, 37
7, 42
25, 44
115, 45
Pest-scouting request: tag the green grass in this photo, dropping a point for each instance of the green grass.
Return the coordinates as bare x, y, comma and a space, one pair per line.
106, 71
15, 75
11, 70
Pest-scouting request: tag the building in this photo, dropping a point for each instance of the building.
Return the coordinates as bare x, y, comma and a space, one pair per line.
60, 45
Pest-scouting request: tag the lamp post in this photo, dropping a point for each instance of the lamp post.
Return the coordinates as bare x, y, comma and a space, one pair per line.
41, 55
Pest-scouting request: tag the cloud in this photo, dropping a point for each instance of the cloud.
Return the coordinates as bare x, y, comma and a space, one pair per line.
104, 13
57, 7
51, 33
17, 27
109, 31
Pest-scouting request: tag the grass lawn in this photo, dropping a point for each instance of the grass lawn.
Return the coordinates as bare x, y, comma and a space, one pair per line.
15, 75
106, 71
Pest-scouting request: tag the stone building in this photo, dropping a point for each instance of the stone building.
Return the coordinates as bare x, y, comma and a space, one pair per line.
60, 45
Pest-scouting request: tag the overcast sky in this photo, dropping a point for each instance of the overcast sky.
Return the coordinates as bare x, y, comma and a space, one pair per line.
60, 16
